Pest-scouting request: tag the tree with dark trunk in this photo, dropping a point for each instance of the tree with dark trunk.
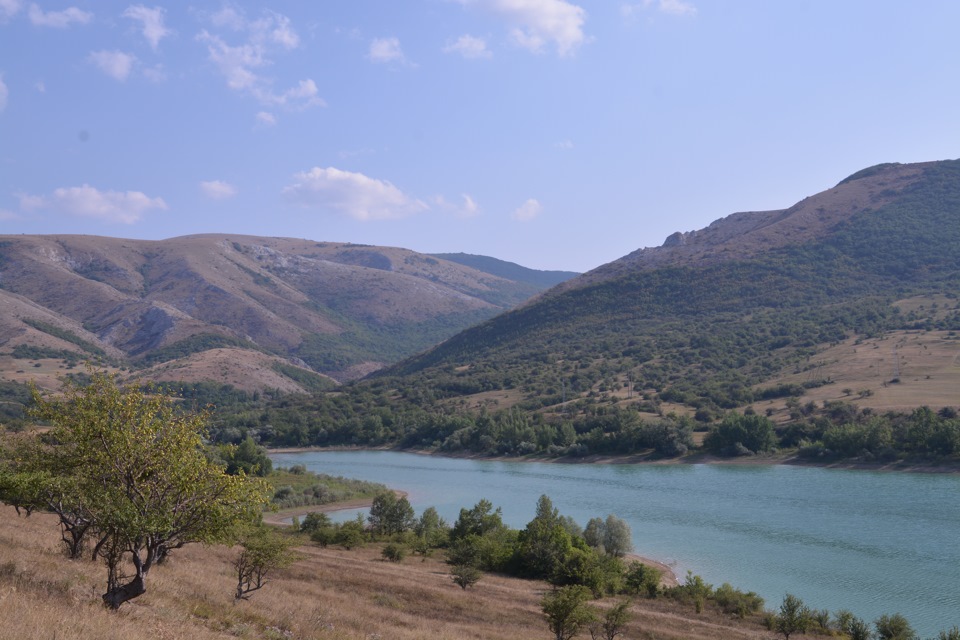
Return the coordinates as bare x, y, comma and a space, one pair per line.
133, 466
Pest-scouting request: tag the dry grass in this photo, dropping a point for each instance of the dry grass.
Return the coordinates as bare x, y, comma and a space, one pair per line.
328, 594
927, 364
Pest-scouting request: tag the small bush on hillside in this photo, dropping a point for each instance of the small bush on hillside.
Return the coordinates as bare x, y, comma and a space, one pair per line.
394, 552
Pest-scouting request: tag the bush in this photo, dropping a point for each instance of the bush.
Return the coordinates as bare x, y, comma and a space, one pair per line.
642, 579
465, 576
734, 601
315, 521
394, 552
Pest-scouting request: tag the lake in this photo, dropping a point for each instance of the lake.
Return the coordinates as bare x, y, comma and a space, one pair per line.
871, 542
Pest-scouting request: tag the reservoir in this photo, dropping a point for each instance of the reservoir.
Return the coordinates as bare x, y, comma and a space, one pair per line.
871, 542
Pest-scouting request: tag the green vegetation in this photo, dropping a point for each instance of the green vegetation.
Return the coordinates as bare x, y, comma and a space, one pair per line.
65, 335
509, 270
14, 398
128, 474
30, 352
191, 345
297, 487
263, 551
601, 369
371, 341
566, 611
307, 379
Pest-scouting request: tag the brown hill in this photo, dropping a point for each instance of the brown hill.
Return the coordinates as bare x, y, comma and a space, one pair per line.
747, 234
328, 593
337, 309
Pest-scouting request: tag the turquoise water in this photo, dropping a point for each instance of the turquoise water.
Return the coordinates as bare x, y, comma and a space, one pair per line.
870, 542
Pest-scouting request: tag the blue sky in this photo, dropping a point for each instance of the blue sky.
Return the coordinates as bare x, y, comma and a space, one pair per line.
560, 134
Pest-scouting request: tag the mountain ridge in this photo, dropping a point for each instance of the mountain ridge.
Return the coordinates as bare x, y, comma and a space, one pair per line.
710, 314
338, 309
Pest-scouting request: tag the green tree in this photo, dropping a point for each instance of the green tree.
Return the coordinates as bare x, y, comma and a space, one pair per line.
642, 579
134, 466
544, 545
741, 434
479, 520
612, 624
431, 531
248, 457
894, 627
465, 575
315, 521
793, 616
263, 551
859, 630
593, 533
952, 634
617, 538
389, 514
566, 611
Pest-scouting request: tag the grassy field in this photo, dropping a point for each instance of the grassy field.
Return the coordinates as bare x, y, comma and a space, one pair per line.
327, 594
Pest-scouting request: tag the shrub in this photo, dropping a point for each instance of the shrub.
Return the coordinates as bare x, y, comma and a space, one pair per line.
394, 552
642, 579
734, 601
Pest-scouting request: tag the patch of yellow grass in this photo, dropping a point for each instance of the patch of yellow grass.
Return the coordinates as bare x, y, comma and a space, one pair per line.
927, 364
328, 594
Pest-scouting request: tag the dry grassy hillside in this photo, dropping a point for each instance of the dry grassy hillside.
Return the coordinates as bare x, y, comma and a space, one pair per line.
339, 309
328, 594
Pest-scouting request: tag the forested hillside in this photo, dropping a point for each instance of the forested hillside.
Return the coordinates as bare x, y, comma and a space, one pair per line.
758, 313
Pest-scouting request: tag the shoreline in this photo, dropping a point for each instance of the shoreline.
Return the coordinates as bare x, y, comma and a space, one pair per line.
280, 518
792, 460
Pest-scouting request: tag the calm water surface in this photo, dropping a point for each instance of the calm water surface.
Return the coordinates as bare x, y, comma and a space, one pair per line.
870, 542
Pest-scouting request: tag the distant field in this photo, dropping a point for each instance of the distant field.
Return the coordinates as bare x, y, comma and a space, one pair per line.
926, 363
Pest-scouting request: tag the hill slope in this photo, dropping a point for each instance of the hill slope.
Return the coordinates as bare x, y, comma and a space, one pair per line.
711, 316
287, 308
537, 280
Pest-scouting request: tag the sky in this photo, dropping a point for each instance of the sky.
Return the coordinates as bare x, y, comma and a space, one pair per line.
558, 134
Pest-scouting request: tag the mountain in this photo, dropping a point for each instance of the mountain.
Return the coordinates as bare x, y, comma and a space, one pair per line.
254, 312
538, 280
758, 305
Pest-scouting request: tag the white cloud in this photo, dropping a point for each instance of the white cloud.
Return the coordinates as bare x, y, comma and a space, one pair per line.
86, 201
228, 17
4, 93
469, 47
304, 95
58, 19
354, 194
563, 144
240, 64
8, 9
218, 189
537, 23
8, 215
528, 211
670, 7
468, 208
155, 74
40, 86
275, 27
152, 22
115, 64
386, 50
266, 118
